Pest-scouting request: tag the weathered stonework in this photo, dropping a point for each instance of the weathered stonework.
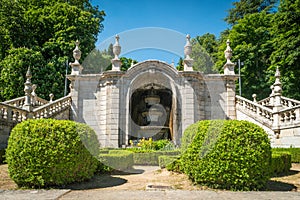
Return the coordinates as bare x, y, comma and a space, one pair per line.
104, 101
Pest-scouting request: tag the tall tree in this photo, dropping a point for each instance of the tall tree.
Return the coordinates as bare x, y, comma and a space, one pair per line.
202, 59
244, 7
48, 27
286, 55
250, 40
209, 42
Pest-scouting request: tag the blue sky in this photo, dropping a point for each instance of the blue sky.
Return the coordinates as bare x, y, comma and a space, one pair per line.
156, 29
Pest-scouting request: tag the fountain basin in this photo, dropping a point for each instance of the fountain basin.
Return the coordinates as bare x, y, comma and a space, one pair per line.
154, 132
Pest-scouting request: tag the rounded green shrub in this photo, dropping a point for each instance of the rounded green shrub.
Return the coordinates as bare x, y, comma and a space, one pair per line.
228, 154
48, 152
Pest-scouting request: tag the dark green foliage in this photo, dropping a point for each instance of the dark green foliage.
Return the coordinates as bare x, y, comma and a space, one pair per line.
116, 160
164, 161
281, 163
228, 154
151, 158
244, 7
48, 152
47, 29
295, 153
286, 42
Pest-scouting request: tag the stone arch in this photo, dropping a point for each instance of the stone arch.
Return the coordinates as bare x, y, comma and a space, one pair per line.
161, 76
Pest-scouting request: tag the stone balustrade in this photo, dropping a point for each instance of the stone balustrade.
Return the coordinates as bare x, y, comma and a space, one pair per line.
255, 110
287, 102
290, 116
18, 102
12, 111
12, 114
53, 108
265, 102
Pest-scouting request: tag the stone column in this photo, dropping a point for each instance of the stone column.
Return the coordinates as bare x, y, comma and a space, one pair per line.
230, 79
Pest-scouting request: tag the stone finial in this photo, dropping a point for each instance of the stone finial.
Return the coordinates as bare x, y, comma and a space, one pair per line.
188, 47
33, 95
254, 97
277, 84
28, 89
229, 66
188, 61
173, 64
76, 66
228, 52
51, 97
116, 62
77, 52
277, 90
117, 47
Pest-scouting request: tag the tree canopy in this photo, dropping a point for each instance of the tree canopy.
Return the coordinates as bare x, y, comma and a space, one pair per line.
47, 29
244, 7
263, 38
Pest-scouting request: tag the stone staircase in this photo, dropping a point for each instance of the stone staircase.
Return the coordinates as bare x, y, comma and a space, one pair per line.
278, 115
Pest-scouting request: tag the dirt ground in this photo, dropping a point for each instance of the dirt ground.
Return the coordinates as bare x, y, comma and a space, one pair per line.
152, 177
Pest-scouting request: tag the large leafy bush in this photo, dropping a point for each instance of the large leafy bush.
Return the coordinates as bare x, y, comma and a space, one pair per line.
49, 152
228, 154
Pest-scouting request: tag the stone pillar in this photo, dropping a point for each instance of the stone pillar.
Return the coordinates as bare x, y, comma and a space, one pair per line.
277, 103
230, 79
76, 66
188, 61
230, 94
116, 62
28, 89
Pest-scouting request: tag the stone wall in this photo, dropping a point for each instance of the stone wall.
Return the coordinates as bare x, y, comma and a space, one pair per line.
5, 128
103, 101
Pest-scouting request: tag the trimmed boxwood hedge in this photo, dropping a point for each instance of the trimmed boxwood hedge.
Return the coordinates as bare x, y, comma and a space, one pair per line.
295, 153
151, 158
228, 154
281, 163
164, 161
116, 160
48, 152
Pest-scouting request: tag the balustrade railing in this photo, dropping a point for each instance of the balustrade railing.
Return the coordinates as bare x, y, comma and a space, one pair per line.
17, 102
264, 114
289, 115
53, 108
12, 114
12, 111
287, 102
265, 102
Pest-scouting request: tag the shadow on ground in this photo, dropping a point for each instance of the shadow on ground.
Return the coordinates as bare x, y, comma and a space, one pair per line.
280, 186
103, 180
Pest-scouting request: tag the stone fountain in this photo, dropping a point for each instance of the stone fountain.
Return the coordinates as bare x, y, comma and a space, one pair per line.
155, 117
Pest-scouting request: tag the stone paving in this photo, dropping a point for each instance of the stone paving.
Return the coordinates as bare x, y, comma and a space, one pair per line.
144, 195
